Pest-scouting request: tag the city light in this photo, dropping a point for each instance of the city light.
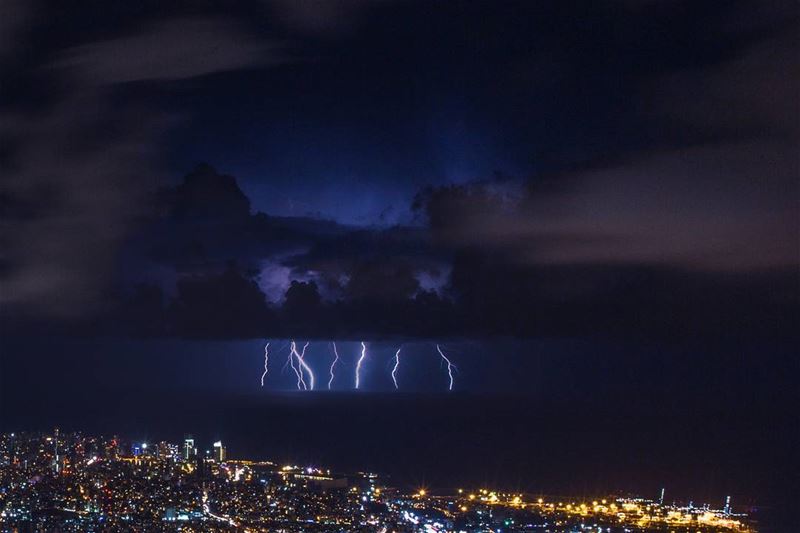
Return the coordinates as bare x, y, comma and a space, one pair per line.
100, 483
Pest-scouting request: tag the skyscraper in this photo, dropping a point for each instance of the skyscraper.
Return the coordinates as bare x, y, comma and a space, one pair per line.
56, 459
219, 451
189, 449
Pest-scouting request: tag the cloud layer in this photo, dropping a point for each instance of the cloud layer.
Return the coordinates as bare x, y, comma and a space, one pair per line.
662, 201
79, 165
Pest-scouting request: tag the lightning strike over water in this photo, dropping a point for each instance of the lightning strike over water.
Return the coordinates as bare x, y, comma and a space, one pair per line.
333, 364
266, 362
450, 366
304, 367
396, 364
306, 380
358, 364
292, 354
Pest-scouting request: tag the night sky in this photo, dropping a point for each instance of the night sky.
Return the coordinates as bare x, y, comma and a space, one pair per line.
592, 206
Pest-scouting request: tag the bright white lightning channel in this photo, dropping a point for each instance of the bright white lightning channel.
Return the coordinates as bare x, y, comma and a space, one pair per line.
358, 364
450, 366
396, 364
266, 362
292, 354
333, 364
304, 367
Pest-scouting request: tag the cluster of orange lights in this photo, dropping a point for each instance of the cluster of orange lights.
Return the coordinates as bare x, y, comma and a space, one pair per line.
640, 513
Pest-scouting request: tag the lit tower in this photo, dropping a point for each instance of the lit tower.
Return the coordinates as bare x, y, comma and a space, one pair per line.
661, 499
55, 449
189, 450
727, 509
219, 451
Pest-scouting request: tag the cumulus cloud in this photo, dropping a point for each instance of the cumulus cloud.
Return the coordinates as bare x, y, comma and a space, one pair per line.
205, 222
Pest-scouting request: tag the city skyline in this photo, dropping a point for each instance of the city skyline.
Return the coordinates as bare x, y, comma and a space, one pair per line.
160, 484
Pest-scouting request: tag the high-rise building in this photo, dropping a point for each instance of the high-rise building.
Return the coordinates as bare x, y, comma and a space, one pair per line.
165, 450
189, 449
56, 458
219, 451
111, 448
199, 466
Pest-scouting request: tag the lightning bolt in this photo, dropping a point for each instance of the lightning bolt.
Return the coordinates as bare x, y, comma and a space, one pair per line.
396, 364
292, 354
333, 364
358, 364
450, 366
304, 366
266, 361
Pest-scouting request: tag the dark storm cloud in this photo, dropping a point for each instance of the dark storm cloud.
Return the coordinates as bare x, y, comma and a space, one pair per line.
726, 207
80, 194
335, 280
695, 233
82, 163
717, 189
205, 223
346, 261
662, 200
502, 278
